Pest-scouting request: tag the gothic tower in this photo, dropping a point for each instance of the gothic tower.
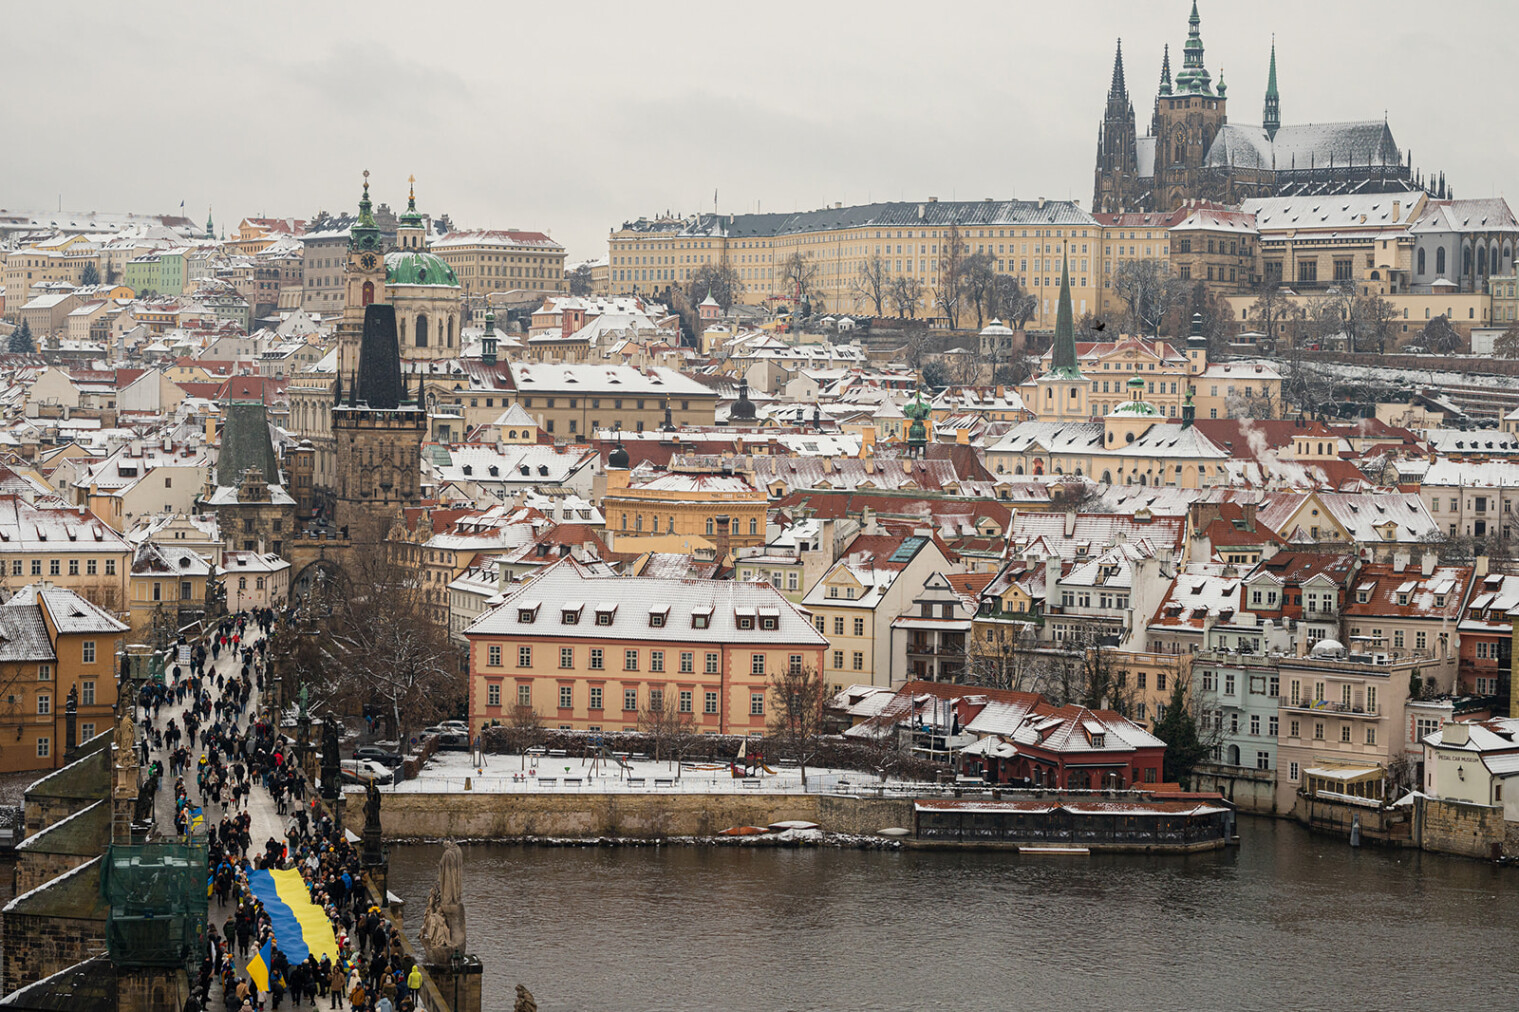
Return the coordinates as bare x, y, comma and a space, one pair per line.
1117, 182
1187, 120
1271, 121
378, 434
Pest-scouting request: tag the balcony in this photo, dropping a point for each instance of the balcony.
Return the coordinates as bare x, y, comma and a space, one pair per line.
1324, 706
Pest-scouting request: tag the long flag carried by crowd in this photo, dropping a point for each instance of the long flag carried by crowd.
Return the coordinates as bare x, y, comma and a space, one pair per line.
301, 928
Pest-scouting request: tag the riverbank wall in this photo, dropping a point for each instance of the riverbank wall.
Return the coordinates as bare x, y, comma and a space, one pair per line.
470, 816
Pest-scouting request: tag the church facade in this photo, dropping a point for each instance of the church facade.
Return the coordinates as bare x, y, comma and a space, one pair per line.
1192, 152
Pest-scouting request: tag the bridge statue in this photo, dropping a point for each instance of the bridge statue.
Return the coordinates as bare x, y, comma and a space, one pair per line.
442, 934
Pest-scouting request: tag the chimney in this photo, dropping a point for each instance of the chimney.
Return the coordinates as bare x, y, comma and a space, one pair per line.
724, 532
1455, 733
1399, 561
1070, 523
1427, 563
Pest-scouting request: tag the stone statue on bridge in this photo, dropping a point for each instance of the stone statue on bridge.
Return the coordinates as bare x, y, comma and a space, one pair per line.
442, 934
126, 741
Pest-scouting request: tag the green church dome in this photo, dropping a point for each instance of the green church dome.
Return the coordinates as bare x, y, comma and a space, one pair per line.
413, 267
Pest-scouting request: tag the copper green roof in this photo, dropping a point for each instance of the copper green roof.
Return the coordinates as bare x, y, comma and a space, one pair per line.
412, 267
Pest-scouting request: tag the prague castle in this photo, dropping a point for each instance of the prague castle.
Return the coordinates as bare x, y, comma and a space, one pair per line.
1191, 150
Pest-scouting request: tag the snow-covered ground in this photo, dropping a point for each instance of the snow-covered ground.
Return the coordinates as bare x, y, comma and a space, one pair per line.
446, 772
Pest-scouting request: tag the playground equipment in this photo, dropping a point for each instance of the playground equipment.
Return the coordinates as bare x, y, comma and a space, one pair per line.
602, 754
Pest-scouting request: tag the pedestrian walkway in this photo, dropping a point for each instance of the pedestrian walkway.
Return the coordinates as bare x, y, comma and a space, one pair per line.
264, 821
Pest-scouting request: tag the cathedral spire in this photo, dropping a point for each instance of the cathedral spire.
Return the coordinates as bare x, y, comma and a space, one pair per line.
1119, 88
1063, 362
1165, 71
1272, 120
1194, 78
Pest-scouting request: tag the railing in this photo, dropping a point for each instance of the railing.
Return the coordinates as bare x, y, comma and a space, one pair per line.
1324, 706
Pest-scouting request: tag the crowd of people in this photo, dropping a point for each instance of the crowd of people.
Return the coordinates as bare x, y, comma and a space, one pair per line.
218, 761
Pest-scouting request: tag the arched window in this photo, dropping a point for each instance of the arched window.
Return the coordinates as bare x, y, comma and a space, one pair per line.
753, 525
1107, 477
368, 292
710, 528
735, 527
1466, 260
1481, 259
1440, 260
1421, 261
450, 332
422, 331
638, 522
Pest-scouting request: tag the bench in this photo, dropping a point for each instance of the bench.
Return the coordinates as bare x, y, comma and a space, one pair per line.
572, 781
547, 781
664, 781
558, 753
635, 781
750, 783
537, 750
638, 756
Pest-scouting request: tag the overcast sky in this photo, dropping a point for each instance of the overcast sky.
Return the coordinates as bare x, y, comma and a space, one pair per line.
573, 117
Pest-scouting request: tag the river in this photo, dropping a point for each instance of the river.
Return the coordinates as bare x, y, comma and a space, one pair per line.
1287, 920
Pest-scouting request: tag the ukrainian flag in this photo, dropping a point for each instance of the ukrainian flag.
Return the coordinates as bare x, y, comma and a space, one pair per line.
258, 966
197, 819
301, 928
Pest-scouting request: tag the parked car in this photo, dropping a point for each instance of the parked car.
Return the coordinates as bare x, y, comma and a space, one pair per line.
375, 753
455, 725
363, 771
451, 741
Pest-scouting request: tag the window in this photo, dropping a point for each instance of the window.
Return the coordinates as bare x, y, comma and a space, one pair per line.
1294, 729
1345, 733
1255, 723
859, 660
711, 664
709, 703
1318, 730
53, 569
36, 567
89, 651
86, 731
756, 664
493, 694
821, 623
597, 659
687, 662
630, 660
685, 700
656, 660
566, 697
1292, 772
699, 620
1229, 685
493, 655
630, 699
525, 615
524, 695
756, 704
86, 693
44, 704
604, 618
566, 657
657, 619
859, 627
595, 694
838, 659
656, 699
44, 747
73, 567
838, 627
44, 672
1371, 736
524, 657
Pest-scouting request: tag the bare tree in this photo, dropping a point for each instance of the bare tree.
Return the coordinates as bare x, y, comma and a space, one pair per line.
906, 294
1003, 657
1440, 338
1507, 344
1272, 310
978, 280
523, 731
873, 284
720, 280
1149, 290
580, 280
1011, 303
666, 725
385, 649
797, 696
1364, 320
799, 275
949, 287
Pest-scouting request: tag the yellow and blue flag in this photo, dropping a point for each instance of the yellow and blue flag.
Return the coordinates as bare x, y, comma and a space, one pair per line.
258, 966
300, 926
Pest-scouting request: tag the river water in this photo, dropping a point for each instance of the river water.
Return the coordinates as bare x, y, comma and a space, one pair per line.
1288, 920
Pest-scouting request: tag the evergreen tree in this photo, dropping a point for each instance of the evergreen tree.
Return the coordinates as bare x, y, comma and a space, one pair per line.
1178, 729
21, 342
90, 276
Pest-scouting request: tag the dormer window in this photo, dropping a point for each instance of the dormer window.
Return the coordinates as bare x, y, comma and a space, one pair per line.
701, 618
570, 614
468, 470
1099, 740
527, 613
657, 617
1402, 599
1439, 600
604, 613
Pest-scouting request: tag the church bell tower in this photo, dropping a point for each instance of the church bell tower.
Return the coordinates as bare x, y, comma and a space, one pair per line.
363, 282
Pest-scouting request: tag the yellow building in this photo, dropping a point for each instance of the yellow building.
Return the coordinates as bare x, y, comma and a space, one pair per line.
63, 259
58, 645
168, 580
503, 261
1025, 240
593, 652
66, 545
689, 504
575, 400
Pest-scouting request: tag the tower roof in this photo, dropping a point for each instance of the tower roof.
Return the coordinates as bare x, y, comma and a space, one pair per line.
1271, 120
1194, 78
1119, 88
1165, 71
1064, 364
412, 218
364, 234
245, 443
379, 384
